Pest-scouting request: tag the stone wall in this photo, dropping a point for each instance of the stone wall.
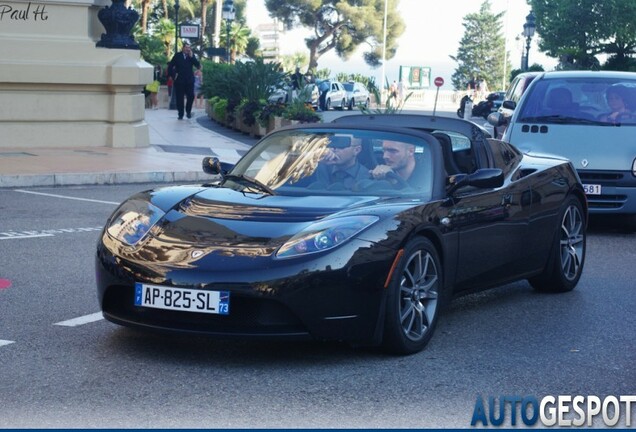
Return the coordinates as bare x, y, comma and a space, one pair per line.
57, 89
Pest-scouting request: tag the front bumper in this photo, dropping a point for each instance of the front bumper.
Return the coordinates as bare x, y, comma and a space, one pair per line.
338, 295
618, 191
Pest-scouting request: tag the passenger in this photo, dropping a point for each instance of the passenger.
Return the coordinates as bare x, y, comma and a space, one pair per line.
616, 100
399, 159
341, 166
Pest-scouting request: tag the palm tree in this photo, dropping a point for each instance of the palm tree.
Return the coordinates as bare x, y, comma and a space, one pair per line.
165, 31
239, 38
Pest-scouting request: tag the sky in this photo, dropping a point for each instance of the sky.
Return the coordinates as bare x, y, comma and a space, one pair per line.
433, 31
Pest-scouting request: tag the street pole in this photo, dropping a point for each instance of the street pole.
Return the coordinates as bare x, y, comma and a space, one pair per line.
386, 8
228, 25
528, 31
228, 15
173, 98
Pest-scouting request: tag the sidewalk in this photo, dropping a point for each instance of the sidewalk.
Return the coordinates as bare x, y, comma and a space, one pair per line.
174, 155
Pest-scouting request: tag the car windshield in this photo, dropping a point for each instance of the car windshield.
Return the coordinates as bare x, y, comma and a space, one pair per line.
302, 162
348, 87
587, 101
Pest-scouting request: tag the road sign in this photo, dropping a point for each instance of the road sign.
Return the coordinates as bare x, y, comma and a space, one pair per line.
439, 81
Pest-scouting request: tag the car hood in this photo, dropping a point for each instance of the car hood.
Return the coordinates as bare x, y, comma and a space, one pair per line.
588, 147
224, 222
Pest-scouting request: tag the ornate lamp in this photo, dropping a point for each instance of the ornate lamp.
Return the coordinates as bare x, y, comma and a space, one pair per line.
228, 15
528, 31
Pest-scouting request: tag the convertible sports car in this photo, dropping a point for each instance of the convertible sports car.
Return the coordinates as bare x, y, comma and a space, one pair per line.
280, 246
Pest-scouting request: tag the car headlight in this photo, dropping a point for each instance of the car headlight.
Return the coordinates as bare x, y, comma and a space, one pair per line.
634, 167
132, 220
324, 235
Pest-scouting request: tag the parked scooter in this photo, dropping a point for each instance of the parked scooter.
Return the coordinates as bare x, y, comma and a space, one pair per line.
485, 107
482, 109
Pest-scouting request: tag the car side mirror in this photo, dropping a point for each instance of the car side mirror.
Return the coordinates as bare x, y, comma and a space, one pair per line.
508, 104
213, 166
485, 178
496, 119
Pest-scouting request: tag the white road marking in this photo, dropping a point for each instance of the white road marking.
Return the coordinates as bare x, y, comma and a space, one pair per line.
7, 235
86, 319
24, 236
5, 342
66, 197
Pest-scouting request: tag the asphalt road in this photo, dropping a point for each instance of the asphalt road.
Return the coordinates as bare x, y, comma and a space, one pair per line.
64, 367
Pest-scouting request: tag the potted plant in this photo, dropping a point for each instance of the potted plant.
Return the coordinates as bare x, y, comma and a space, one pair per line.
300, 111
271, 115
220, 111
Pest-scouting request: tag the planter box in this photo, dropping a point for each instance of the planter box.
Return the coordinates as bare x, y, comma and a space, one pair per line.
274, 123
258, 131
238, 123
247, 130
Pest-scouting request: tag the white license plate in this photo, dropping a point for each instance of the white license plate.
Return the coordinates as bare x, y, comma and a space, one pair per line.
182, 299
592, 189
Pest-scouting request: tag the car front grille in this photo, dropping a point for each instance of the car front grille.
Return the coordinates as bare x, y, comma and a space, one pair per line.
602, 176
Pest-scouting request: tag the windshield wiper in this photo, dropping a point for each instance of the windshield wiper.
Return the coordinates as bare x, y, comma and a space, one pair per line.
557, 118
242, 178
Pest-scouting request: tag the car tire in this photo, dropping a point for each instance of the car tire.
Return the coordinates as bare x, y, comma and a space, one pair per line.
567, 256
413, 301
343, 104
366, 104
351, 104
327, 104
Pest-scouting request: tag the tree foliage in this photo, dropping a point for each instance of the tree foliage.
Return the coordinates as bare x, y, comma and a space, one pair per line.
481, 52
342, 25
576, 31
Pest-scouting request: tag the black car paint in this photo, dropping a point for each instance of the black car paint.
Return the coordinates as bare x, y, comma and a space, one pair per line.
337, 294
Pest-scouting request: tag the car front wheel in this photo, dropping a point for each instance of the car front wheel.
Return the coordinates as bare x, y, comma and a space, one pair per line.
327, 104
351, 104
413, 300
567, 256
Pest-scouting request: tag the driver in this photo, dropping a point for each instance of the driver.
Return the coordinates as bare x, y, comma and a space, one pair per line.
340, 165
399, 160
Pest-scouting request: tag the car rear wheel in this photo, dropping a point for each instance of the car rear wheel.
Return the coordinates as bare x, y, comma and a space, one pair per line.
567, 256
413, 301
343, 104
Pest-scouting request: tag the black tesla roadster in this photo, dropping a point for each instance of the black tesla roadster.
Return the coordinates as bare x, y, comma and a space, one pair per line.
359, 230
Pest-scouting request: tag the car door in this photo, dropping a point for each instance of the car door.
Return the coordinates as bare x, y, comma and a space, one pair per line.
492, 223
338, 94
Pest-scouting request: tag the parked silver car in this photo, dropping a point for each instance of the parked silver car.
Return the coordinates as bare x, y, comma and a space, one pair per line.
357, 94
588, 117
281, 95
336, 96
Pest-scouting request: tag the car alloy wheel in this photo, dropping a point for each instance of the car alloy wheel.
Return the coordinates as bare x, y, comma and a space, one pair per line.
414, 300
567, 257
572, 243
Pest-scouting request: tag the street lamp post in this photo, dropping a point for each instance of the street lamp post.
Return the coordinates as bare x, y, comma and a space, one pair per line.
528, 31
176, 26
173, 97
228, 15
